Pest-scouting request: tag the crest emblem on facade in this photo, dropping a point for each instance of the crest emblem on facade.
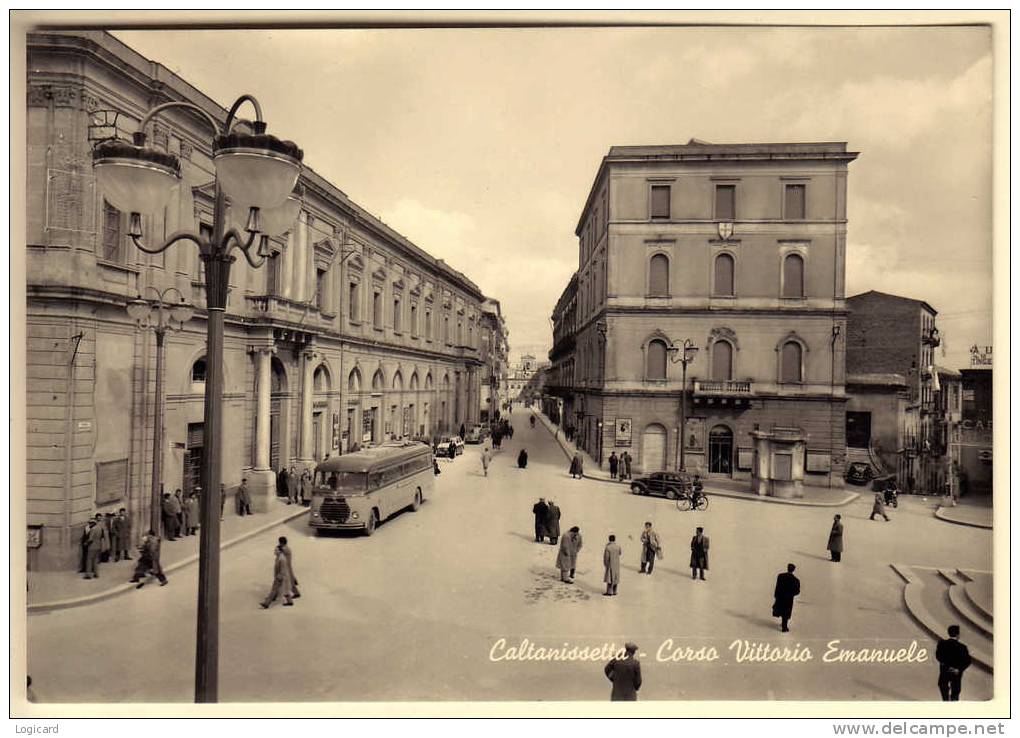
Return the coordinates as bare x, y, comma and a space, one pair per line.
725, 231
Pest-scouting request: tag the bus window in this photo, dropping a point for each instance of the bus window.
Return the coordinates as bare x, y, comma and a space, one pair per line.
333, 480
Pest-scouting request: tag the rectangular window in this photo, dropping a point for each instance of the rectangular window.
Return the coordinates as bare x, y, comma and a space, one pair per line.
320, 289
111, 481
660, 201
446, 330
414, 321
428, 325
725, 202
377, 319
795, 201
352, 303
396, 316
111, 249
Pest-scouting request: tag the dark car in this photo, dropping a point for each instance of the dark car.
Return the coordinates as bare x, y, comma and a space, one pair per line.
666, 484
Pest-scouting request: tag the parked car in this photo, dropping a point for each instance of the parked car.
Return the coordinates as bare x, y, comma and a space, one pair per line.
443, 447
666, 484
477, 434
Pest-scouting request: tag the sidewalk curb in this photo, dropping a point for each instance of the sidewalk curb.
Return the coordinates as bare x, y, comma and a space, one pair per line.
943, 516
569, 452
41, 607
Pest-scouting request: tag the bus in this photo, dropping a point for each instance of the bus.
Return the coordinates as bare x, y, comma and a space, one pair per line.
362, 489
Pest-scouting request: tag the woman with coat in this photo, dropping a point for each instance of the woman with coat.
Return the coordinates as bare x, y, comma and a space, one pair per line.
566, 559
576, 468
836, 539
522, 459
611, 561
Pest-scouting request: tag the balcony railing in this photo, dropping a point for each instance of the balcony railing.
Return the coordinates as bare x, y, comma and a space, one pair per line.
723, 388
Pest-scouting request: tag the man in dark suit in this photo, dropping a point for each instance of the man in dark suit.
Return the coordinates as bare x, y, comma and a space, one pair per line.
787, 587
625, 674
541, 510
953, 658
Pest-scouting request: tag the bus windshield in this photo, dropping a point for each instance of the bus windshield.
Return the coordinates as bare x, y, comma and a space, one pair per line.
342, 481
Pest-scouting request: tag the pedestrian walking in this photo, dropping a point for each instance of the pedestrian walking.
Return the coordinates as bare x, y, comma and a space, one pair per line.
148, 561
452, 450
194, 513
576, 467
611, 561
283, 583
463, 431
306, 488
522, 459
169, 517
435, 467
566, 559
121, 535
486, 458
614, 465
625, 674
835, 545
552, 522
699, 554
282, 540
787, 587
243, 498
94, 549
878, 508
541, 513
651, 547
953, 658
293, 484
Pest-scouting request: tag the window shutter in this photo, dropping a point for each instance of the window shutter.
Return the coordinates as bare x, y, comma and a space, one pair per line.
660, 201
795, 205
725, 202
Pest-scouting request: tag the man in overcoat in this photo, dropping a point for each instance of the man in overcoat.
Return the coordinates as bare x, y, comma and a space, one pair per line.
243, 498
540, 510
787, 587
953, 658
281, 483
566, 559
614, 465
107, 546
699, 554
625, 674
283, 582
170, 511
121, 536
835, 545
552, 522
651, 547
611, 562
306, 488
522, 459
290, 564
576, 467
94, 548
148, 561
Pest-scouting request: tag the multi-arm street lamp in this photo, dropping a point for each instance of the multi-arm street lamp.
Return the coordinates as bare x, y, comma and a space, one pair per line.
257, 172
160, 315
684, 353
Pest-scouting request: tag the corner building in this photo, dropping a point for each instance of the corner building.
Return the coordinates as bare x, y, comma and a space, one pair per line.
740, 248
351, 335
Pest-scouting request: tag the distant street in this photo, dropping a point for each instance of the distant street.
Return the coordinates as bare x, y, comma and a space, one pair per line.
417, 611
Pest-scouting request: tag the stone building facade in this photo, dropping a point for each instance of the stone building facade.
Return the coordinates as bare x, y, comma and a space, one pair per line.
739, 248
494, 354
351, 335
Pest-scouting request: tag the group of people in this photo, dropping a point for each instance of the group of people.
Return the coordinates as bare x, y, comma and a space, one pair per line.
285, 584
547, 521
180, 514
104, 536
296, 487
620, 466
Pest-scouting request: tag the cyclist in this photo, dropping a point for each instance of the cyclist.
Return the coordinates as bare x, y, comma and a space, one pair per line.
696, 491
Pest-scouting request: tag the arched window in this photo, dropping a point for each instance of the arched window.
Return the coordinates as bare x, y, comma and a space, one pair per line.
724, 275
198, 370
722, 361
658, 275
354, 381
398, 381
378, 382
791, 362
793, 276
320, 380
656, 367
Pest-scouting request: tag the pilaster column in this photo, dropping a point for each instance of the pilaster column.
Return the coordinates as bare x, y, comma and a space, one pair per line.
264, 355
308, 359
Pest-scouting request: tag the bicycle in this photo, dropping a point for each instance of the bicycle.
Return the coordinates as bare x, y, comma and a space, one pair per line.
686, 502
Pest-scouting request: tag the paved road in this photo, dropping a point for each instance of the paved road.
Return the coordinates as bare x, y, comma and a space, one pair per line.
417, 611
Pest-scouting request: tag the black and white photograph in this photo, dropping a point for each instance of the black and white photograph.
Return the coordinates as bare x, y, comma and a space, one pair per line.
553, 358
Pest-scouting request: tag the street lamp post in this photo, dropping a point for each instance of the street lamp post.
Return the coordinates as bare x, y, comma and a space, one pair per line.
684, 354
161, 316
257, 172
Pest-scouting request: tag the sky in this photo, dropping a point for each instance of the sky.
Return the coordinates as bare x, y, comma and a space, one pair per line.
480, 145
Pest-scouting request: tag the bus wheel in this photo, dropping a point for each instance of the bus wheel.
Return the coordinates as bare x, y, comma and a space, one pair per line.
417, 501
373, 521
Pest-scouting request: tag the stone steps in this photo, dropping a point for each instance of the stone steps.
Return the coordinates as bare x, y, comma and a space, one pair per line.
927, 596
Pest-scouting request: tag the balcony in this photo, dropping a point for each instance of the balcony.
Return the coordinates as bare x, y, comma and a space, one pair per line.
280, 309
723, 388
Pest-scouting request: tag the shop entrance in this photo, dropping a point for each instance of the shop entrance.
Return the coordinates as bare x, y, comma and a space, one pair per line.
720, 450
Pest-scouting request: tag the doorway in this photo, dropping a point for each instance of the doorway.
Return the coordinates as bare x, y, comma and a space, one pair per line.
653, 448
193, 455
720, 450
